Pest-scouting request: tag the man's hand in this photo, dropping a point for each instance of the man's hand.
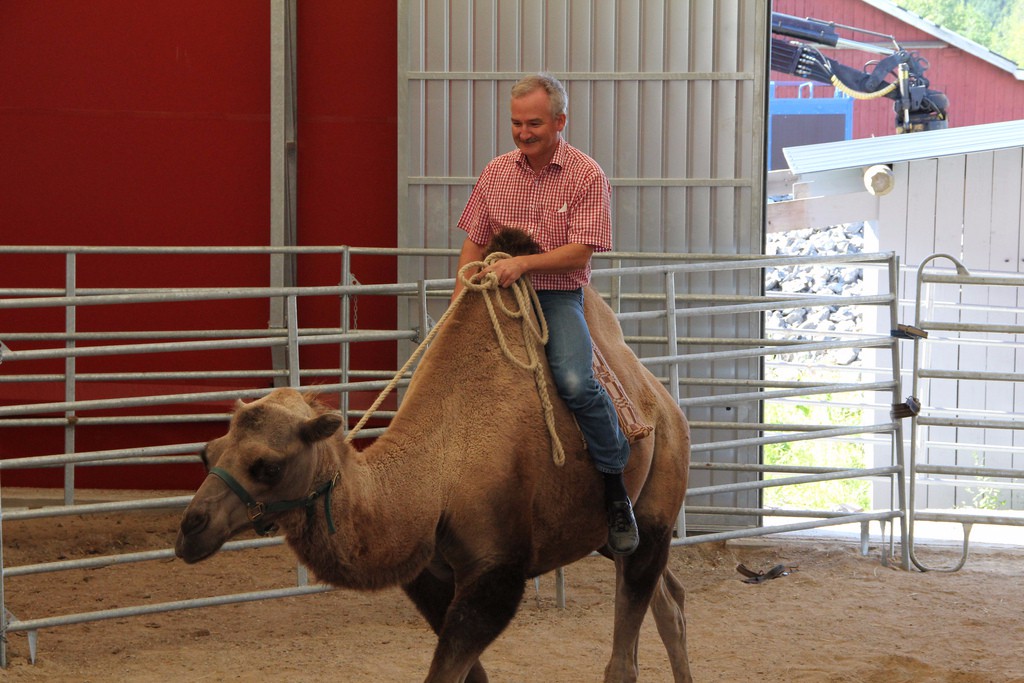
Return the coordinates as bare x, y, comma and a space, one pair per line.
507, 270
561, 260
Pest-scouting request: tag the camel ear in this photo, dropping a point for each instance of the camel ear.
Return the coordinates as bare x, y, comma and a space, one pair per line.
320, 427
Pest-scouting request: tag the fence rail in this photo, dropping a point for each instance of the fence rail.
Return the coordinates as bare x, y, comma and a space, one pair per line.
660, 320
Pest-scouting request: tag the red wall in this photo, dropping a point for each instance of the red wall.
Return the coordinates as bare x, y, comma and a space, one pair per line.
147, 123
978, 92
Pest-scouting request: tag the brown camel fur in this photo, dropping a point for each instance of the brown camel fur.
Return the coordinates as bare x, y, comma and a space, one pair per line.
459, 501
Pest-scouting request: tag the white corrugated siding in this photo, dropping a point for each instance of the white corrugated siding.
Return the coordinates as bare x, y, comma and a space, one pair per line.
668, 96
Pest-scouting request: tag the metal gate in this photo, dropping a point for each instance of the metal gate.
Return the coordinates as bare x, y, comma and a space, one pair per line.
965, 441
668, 353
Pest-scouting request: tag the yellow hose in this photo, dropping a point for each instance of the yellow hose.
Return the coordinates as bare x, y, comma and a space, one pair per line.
858, 95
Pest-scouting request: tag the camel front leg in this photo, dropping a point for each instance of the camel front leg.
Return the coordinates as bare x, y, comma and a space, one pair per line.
480, 610
432, 594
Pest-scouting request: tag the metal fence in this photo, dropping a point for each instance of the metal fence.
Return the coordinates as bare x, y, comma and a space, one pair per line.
966, 352
654, 322
880, 383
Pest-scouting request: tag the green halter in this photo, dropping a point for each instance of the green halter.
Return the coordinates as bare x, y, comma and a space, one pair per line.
256, 510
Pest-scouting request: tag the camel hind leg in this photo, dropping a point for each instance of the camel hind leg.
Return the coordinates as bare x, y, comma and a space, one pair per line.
667, 606
637, 579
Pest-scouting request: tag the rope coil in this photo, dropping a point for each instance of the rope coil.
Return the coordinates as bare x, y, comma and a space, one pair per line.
526, 301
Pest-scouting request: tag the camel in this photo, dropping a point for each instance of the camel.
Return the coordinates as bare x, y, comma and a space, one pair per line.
459, 502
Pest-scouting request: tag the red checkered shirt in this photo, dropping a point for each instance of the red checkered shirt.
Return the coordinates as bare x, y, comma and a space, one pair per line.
568, 202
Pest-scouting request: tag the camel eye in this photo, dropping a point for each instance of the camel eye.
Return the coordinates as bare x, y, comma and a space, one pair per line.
211, 453
265, 472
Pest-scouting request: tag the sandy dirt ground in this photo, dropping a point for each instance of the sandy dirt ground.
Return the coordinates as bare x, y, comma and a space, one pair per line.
839, 617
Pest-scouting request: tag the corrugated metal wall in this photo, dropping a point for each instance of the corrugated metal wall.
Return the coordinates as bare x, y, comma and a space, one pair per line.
148, 123
668, 96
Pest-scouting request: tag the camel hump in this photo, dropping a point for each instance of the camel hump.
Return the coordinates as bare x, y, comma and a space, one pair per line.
514, 242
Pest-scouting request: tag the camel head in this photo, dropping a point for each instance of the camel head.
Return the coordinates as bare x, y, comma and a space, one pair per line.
263, 470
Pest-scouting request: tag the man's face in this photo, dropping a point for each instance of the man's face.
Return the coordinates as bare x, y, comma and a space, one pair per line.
534, 129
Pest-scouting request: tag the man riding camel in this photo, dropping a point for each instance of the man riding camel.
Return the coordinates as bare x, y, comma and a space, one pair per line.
562, 199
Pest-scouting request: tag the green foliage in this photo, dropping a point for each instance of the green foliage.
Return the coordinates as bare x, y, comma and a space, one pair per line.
826, 495
1008, 36
996, 24
985, 497
967, 19
993, 9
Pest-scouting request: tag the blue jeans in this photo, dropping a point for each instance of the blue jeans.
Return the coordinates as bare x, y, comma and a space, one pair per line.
571, 360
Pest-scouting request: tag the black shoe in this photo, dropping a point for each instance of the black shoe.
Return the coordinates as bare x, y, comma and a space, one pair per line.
623, 537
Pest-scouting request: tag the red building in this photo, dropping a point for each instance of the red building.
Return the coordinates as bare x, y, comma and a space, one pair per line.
982, 86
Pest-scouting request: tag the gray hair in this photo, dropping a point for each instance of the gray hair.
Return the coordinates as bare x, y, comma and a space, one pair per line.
549, 84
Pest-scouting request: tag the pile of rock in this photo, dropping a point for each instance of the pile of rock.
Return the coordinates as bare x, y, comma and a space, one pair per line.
814, 323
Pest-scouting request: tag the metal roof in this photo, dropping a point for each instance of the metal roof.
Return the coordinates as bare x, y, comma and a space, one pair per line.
888, 149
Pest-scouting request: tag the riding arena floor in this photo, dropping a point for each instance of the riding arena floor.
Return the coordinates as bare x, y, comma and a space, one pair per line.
835, 616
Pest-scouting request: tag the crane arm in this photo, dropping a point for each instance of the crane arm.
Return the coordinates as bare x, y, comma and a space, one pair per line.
916, 105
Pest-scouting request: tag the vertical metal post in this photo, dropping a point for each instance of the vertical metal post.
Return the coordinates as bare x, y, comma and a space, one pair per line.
425, 322
915, 390
405, 59
70, 325
283, 177
672, 343
897, 393
346, 306
283, 212
292, 318
671, 333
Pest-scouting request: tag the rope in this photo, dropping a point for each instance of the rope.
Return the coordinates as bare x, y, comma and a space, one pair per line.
526, 300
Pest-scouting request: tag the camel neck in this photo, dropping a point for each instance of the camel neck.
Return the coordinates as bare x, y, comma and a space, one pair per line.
384, 526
